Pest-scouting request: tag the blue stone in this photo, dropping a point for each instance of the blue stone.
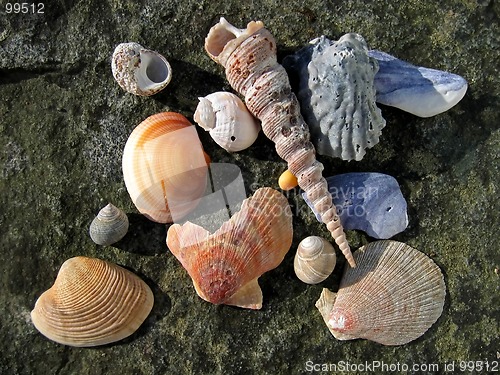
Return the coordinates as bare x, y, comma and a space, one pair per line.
370, 202
421, 91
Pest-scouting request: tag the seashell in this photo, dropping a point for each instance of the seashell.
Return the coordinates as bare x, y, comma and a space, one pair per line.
109, 226
315, 260
139, 70
337, 97
92, 302
249, 57
421, 91
165, 167
228, 121
371, 202
225, 265
392, 297
287, 180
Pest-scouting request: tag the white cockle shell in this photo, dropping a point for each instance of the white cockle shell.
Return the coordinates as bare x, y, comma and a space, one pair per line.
392, 297
314, 260
228, 121
139, 70
109, 226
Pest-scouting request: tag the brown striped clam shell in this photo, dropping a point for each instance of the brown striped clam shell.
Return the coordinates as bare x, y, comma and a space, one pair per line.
92, 302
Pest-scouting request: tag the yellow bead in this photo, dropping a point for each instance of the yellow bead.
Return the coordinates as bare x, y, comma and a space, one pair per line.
287, 180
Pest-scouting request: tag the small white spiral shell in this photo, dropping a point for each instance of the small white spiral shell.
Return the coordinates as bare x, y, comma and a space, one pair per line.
315, 260
228, 121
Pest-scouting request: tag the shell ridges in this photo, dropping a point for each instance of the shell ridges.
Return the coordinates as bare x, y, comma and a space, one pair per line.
392, 297
92, 302
224, 266
250, 61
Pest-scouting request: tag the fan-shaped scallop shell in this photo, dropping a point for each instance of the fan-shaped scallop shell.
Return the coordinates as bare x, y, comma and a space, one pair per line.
139, 70
225, 265
249, 57
314, 260
109, 226
228, 121
337, 96
392, 297
165, 167
92, 302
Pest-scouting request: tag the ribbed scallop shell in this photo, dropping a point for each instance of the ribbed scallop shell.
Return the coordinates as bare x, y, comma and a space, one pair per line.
165, 167
92, 302
139, 70
228, 121
249, 57
225, 265
109, 226
392, 297
337, 96
314, 260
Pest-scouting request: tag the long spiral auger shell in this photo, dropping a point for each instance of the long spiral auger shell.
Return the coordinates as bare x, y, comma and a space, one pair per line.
252, 69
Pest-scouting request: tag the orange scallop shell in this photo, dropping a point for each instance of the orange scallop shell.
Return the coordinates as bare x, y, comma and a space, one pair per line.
165, 167
225, 265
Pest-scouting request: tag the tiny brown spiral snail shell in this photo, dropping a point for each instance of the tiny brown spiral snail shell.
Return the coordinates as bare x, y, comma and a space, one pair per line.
315, 260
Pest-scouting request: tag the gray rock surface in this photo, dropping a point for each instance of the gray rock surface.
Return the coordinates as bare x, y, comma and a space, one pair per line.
64, 122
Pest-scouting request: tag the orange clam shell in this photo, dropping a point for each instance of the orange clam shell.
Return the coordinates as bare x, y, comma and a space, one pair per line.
164, 167
225, 265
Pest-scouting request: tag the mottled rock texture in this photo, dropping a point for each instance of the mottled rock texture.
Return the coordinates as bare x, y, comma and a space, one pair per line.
64, 122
